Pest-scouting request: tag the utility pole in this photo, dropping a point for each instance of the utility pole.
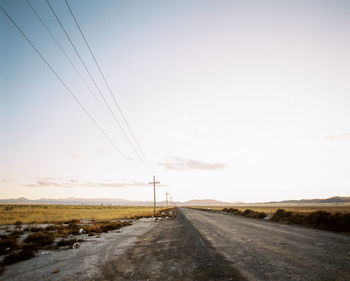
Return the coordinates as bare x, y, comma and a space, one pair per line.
171, 200
154, 193
166, 194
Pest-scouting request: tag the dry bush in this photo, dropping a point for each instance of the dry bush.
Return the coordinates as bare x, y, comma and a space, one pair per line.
247, 213
319, 219
100, 227
68, 242
8, 244
40, 239
23, 254
17, 232
62, 230
73, 228
33, 229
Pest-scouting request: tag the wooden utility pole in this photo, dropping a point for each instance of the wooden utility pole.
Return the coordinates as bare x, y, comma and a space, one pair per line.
154, 193
166, 194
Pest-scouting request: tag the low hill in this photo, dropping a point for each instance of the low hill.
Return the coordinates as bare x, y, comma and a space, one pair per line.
336, 199
205, 202
195, 202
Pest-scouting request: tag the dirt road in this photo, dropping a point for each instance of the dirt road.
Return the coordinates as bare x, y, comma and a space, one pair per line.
200, 245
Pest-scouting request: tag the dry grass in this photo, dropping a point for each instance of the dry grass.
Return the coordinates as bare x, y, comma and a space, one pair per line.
24, 213
297, 208
318, 219
8, 244
23, 254
68, 242
73, 227
40, 239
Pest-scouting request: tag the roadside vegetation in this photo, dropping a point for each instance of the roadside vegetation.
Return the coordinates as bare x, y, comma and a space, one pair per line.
269, 209
247, 213
319, 219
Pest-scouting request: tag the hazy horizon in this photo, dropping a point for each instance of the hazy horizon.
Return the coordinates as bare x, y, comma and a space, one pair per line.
229, 100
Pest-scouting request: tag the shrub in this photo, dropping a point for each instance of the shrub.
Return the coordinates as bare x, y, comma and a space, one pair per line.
23, 254
68, 242
17, 232
8, 244
318, 219
105, 226
247, 213
34, 229
40, 239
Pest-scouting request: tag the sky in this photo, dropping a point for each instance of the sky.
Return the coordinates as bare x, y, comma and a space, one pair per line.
229, 100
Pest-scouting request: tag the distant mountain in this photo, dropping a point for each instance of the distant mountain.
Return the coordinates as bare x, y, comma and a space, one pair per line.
195, 202
77, 201
336, 199
205, 202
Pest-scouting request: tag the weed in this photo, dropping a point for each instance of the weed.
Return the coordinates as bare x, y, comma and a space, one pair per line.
103, 226
17, 232
319, 219
40, 239
33, 229
68, 242
247, 213
21, 255
8, 244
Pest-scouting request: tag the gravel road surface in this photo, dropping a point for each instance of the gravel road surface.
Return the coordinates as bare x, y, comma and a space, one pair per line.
263, 250
200, 245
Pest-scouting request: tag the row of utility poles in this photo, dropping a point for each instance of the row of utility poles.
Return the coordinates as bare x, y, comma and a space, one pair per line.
168, 203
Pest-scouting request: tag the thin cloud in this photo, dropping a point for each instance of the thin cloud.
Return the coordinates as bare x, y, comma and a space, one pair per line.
4, 180
184, 164
51, 182
345, 136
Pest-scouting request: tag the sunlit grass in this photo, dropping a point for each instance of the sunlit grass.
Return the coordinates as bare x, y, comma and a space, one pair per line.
12, 213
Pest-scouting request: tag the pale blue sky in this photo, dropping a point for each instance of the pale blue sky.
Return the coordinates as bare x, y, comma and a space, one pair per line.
232, 100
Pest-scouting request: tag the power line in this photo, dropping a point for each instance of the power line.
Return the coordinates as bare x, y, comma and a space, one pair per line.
65, 86
109, 88
64, 53
97, 87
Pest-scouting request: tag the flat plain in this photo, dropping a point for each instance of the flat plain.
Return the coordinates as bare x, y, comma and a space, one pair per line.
25, 213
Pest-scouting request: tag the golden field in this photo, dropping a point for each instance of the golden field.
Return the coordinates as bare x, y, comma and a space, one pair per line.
25, 213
